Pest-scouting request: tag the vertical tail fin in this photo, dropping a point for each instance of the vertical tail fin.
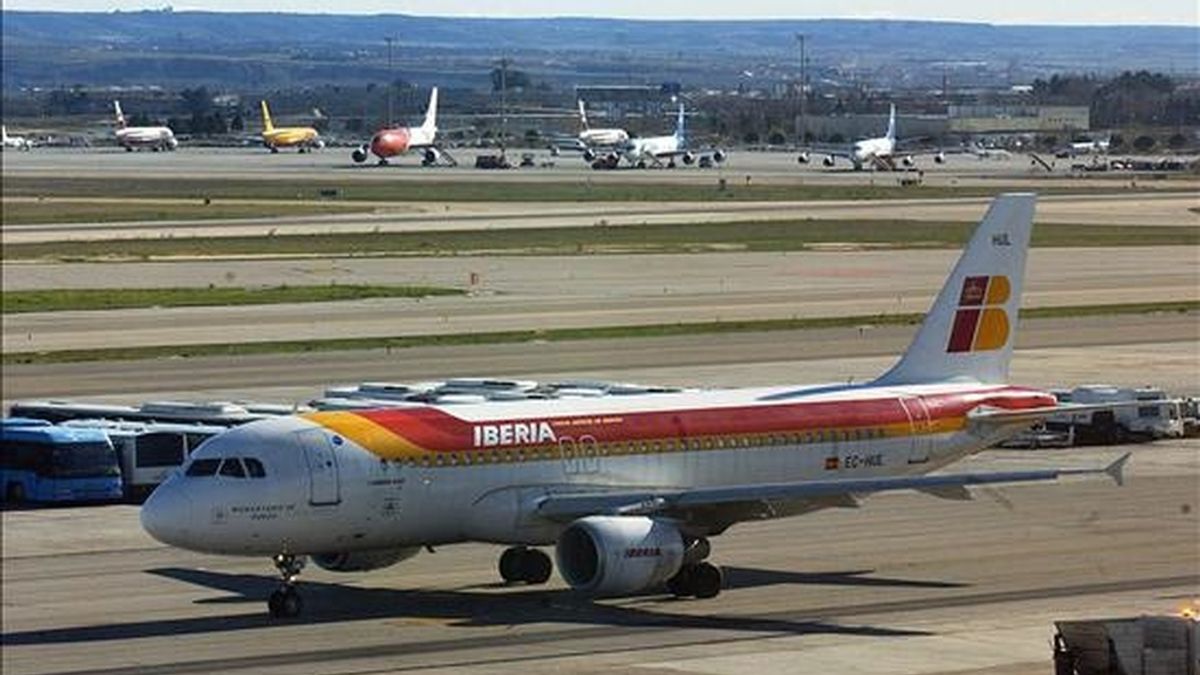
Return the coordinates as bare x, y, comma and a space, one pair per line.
430, 123
968, 335
120, 115
266, 115
583, 115
679, 122
4, 133
891, 130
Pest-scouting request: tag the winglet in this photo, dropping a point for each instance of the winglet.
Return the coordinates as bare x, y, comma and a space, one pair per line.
1116, 470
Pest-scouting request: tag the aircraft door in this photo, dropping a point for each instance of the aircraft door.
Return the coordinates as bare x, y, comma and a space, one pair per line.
323, 474
920, 429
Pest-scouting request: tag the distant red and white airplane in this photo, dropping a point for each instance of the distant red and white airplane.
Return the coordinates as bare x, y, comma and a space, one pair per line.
394, 141
627, 489
156, 138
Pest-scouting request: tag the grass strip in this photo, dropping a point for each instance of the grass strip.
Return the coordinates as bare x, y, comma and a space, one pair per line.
726, 186
57, 300
552, 335
51, 211
767, 235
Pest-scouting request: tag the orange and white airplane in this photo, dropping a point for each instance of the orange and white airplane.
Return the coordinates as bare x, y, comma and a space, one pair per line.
627, 489
393, 141
303, 139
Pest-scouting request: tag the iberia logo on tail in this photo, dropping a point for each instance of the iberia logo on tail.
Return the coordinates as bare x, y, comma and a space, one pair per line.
981, 324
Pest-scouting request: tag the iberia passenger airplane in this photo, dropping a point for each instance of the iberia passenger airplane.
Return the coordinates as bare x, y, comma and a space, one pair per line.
628, 490
301, 138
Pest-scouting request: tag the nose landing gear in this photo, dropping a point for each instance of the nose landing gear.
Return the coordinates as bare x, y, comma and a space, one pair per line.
285, 601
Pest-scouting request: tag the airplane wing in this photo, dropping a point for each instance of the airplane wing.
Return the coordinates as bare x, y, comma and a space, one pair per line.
759, 501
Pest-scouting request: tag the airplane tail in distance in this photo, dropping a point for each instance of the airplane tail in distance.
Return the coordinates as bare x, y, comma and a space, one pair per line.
430, 123
120, 115
679, 122
4, 133
968, 334
891, 130
266, 115
583, 115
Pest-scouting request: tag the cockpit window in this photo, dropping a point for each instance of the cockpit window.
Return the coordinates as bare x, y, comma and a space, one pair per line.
232, 467
203, 467
254, 467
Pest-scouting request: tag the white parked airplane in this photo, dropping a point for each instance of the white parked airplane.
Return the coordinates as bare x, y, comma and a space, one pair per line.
881, 152
130, 138
653, 150
628, 490
15, 142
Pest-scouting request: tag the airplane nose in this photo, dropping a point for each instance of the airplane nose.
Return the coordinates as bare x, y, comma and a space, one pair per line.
167, 514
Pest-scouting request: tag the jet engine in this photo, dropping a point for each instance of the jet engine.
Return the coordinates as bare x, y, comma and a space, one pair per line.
363, 561
431, 157
940, 158
803, 158
689, 158
361, 153
828, 161
908, 160
589, 155
319, 144
718, 156
619, 555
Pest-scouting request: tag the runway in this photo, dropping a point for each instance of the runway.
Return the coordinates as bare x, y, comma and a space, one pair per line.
517, 293
907, 583
1169, 209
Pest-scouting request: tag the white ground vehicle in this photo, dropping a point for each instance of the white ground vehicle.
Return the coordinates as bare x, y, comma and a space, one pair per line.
1142, 413
150, 451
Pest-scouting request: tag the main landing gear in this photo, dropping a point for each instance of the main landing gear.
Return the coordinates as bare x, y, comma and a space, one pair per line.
527, 565
697, 578
285, 601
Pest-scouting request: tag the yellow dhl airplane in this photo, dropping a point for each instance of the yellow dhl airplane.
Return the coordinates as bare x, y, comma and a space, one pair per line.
301, 138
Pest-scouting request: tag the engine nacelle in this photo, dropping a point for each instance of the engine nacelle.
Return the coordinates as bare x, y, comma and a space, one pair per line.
908, 160
431, 157
804, 158
689, 158
360, 154
589, 155
828, 161
939, 158
619, 555
319, 144
719, 156
363, 561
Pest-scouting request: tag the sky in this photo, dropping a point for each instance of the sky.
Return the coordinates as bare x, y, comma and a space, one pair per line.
1078, 12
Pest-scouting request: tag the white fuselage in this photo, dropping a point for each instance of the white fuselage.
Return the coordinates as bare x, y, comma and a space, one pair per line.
653, 147
146, 137
324, 491
872, 150
603, 137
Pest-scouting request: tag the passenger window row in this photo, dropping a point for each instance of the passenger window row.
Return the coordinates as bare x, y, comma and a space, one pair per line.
230, 467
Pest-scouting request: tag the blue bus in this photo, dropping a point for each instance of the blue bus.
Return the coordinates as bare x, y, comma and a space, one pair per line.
40, 462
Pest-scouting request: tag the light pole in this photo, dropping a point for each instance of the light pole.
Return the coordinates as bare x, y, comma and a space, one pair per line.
803, 130
391, 80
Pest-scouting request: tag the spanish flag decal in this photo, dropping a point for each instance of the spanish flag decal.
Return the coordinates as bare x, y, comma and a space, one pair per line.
981, 324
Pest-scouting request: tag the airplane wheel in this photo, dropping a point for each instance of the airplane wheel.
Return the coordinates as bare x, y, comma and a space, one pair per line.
285, 603
128, 148
520, 564
274, 150
707, 581
536, 566
702, 580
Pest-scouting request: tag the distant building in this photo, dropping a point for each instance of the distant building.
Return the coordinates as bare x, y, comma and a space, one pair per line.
986, 119
618, 101
851, 127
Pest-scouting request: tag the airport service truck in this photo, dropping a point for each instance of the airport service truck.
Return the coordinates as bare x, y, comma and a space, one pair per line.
1143, 413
